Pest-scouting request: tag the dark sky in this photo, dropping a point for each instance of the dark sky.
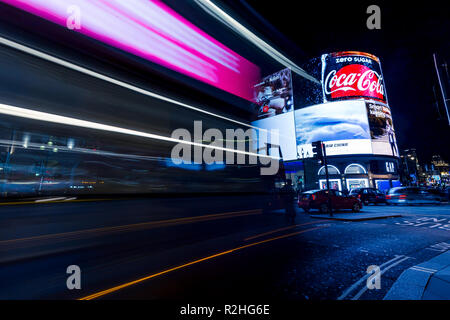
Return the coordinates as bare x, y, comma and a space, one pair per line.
410, 33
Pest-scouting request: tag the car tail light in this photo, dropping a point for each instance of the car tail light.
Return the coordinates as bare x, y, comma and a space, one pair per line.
388, 196
402, 196
359, 196
313, 197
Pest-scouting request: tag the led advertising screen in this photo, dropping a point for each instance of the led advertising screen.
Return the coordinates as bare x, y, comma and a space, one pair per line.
275, 106
381, 129
153, 31
274, 95
352, 74
342, 125
285, 125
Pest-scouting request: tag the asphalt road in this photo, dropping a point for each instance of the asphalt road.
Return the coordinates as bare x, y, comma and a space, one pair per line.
207, 249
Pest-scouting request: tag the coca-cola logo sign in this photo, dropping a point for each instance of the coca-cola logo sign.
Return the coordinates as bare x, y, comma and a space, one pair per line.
352, 76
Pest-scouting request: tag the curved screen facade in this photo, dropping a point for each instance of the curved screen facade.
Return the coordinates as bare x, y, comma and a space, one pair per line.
354, 117
352, 74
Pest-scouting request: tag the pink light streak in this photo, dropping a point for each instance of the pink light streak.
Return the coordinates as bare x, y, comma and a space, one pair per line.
153, 31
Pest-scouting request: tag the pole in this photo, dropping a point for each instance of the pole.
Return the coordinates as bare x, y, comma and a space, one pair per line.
442, 89
304, 170
322, 145
407, 170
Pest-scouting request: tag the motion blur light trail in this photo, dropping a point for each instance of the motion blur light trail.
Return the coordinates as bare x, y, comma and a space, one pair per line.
48, 117
113, 289
97, 75
71, 235
153, 31
234, 25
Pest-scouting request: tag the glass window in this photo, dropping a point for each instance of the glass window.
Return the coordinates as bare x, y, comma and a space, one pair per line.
355, 169
331, 170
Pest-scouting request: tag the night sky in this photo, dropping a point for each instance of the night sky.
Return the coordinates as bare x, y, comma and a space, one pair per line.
410, 33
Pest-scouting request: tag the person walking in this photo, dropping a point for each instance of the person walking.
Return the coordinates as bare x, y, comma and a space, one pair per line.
288, 197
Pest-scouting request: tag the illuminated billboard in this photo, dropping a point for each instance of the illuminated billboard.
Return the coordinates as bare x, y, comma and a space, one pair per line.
274, 95
354, 117
381, 129
352, 74
342, 125
275, 105
153, 31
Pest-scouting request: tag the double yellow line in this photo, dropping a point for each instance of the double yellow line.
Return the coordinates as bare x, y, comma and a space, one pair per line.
128, 284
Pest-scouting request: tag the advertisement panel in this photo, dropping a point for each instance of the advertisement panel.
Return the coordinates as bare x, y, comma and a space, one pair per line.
342, 125
274, 94
352, 74
381, 129
275, 106
285, 125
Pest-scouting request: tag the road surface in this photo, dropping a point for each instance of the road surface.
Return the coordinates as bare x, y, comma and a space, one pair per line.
207, 249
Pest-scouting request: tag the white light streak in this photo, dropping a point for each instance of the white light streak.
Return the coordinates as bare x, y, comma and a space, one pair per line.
122, 84
231, 23
49, 117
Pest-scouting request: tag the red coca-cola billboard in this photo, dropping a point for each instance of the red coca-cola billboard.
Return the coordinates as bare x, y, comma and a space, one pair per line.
352, 74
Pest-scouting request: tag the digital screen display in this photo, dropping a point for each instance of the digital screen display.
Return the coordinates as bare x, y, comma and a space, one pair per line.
343, 126
153, 31
275, 105
381, 129
274, 94
352, 74
285, 125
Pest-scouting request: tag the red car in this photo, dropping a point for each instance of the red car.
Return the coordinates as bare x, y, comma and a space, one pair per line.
318, 199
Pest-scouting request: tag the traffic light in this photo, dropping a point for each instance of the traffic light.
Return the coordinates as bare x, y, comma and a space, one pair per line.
317, 150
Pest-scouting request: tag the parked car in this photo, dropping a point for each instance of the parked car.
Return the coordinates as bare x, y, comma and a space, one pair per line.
411, 196
318, 199
369, 195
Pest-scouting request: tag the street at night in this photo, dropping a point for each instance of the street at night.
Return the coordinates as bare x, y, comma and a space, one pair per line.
269, 258
224, 158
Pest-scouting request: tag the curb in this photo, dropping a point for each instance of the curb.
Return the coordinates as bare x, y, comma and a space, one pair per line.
423, 281
356, 218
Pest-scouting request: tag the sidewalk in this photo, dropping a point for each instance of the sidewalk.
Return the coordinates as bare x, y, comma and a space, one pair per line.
429, 280
360, 216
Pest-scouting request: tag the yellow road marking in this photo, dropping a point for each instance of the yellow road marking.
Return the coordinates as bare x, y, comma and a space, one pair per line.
135, 226
282, 229
127, 284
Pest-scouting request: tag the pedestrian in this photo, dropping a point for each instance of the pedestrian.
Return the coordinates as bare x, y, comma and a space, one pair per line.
288, 197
